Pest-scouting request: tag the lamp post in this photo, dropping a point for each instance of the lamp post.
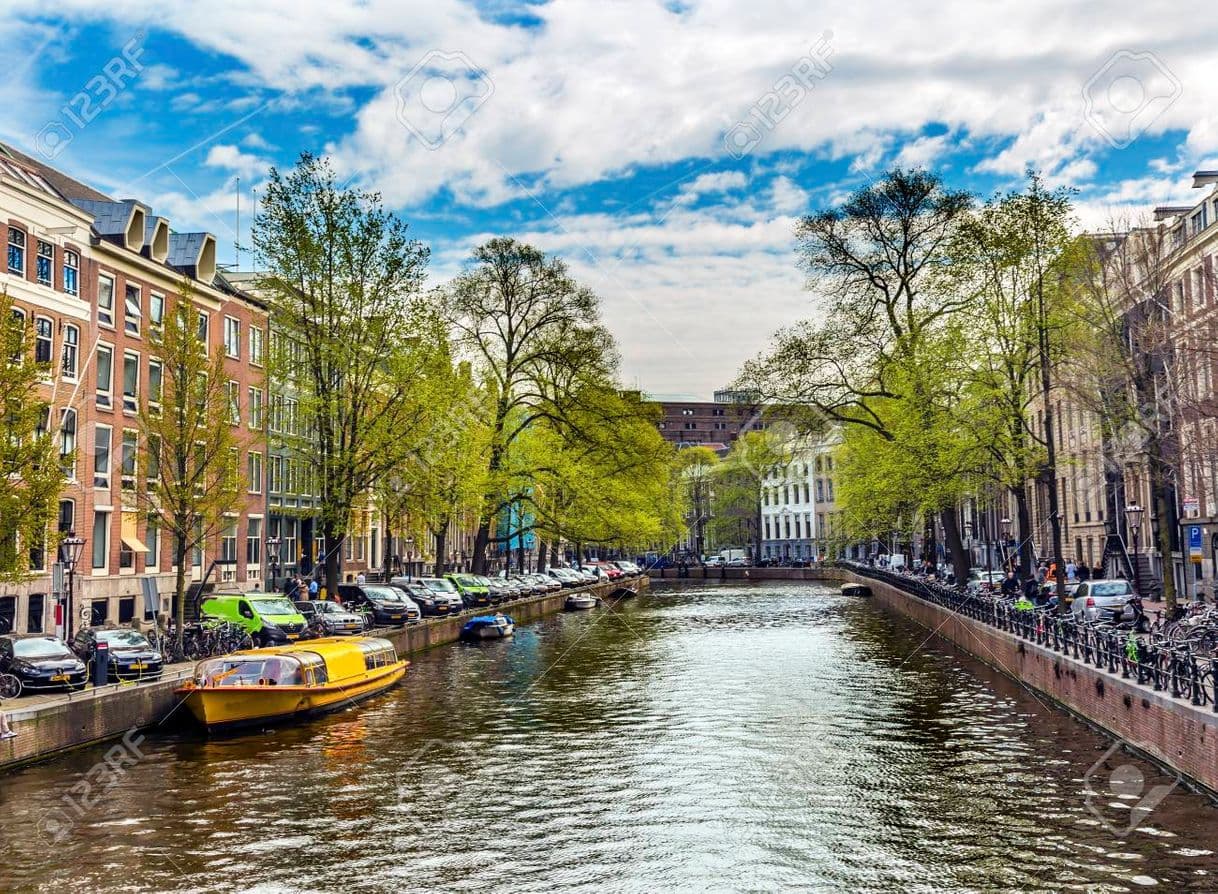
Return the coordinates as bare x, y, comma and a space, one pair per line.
1133, 516
1005, 531
69, 552
272, 558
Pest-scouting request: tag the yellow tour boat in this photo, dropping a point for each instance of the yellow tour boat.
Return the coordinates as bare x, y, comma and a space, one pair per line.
257, 686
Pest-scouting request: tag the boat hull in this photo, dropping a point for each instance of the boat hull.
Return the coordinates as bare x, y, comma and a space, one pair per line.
580, 603
223, 708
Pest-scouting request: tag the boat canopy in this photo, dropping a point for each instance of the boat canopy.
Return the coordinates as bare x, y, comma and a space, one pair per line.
294, 669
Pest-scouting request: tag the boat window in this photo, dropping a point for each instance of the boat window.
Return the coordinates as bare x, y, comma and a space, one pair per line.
274, 670
377, 653
315, 671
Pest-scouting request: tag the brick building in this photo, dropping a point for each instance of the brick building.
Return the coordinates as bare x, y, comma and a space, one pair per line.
94, 274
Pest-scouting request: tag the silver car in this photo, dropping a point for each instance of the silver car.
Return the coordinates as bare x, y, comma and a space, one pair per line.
1106, 599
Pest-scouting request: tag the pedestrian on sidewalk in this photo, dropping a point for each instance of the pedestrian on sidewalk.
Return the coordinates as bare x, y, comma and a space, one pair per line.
6, 731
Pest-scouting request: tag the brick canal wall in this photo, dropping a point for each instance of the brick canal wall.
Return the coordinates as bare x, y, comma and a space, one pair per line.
1172, 731
51, 726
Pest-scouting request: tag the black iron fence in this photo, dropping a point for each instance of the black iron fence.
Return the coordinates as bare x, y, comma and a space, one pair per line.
1118, 649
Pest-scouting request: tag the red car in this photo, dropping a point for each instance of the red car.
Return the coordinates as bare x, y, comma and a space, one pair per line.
612, 570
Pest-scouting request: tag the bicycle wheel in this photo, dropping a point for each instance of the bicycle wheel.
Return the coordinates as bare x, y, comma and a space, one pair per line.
10, 686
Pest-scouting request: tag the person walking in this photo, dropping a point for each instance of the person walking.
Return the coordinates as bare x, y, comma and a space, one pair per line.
360, 579
6, 731
314, 589
1010, 585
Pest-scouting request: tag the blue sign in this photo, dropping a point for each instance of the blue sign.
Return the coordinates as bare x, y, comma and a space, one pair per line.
1194, 539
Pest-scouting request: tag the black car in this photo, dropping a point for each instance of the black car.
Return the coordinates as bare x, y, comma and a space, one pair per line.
40, 662
328, 618
389, 606
430, 603
131, 655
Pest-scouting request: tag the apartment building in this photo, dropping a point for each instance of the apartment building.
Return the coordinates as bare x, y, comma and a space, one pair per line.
799, 514
95, 275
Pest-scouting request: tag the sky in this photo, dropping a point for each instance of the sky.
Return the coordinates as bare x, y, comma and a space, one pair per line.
664, 150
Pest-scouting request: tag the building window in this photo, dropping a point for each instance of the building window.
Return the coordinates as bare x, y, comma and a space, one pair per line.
228, 544
153, 542
234, 402
254, 472
105, 376
204, 327
232, 337
71, 351
132, 310
67, 516
131, 382
71, 272
126, 610
153, 461
67, 442
131, 447
275, 479
105, 300
43, 340
253, 544
687, 412
155, 372
156, 308
255, 396
101, 456
16, 251
256, 346
44, 264
101, 539
35, 612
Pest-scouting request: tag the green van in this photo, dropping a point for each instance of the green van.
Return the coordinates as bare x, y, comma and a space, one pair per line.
267, 617
475, 591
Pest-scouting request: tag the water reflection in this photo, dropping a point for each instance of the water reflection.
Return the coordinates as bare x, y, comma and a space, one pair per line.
708, 737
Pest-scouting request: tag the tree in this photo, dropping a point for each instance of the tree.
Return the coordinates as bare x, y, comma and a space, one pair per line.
532, 331
189, 446
1003, 258
696, 467
28, 461
873, 262
738, 479
350, 332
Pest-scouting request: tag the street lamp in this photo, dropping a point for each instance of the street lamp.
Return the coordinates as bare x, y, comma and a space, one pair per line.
69, 555
1133, 516
272, 557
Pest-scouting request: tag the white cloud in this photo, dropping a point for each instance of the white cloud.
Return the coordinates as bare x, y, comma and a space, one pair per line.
231, 158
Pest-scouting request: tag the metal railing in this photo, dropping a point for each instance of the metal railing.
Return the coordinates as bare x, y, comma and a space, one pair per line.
1179, 670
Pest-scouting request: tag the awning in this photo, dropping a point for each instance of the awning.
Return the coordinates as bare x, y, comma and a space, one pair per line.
131, 522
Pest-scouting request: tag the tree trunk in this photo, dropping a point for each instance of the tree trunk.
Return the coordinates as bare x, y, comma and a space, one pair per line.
481, 539
1166, 523
554, 553
1024, 519
388, 551
179, 586
955, 546
441, 535
333, 543
541, 556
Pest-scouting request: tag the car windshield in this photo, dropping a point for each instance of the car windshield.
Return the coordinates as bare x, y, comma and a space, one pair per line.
273, 607
40, 647
468, 580
123, 638
383, 594
439, 585
1115, 588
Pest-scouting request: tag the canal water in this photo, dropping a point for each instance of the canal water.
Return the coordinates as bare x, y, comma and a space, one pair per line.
707, 737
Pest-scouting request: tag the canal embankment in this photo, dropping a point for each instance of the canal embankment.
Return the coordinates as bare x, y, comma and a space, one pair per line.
1172, 731
53, 724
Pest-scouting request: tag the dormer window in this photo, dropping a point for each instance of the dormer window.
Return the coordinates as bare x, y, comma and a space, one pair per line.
71, 272
16, 251
132, 310
45, 267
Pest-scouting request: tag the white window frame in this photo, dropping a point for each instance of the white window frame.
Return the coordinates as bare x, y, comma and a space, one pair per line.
101, 478
156, 300
131, 403
133, 310
105, 312
255, 408
105, 395
233, 395
38, 246
64, 450
154, 398
232, 337
70, 348
48, 340
253, 471
71, 261
128, 481
257, 345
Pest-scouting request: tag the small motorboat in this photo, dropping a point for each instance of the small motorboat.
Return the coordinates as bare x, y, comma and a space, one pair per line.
856, 590
580, 601
488, 627
259, 686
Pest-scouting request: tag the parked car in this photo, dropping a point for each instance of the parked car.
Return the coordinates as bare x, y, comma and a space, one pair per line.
449, 590
132, 657
738, 562
267, 618
567, 577
329, 618
1108, 599
41, 662
432, 603
611, 570
713, 561
633, 569
545, 582
980, 580
473, 590
388, 606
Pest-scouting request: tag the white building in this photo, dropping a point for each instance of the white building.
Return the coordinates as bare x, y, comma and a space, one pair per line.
799, 515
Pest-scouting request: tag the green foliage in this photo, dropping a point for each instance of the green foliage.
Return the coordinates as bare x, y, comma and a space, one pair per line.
29, 463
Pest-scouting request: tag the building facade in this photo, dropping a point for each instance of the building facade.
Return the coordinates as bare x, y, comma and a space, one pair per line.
799, 513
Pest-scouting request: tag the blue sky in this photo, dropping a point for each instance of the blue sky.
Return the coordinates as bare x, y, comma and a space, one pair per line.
664, 149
